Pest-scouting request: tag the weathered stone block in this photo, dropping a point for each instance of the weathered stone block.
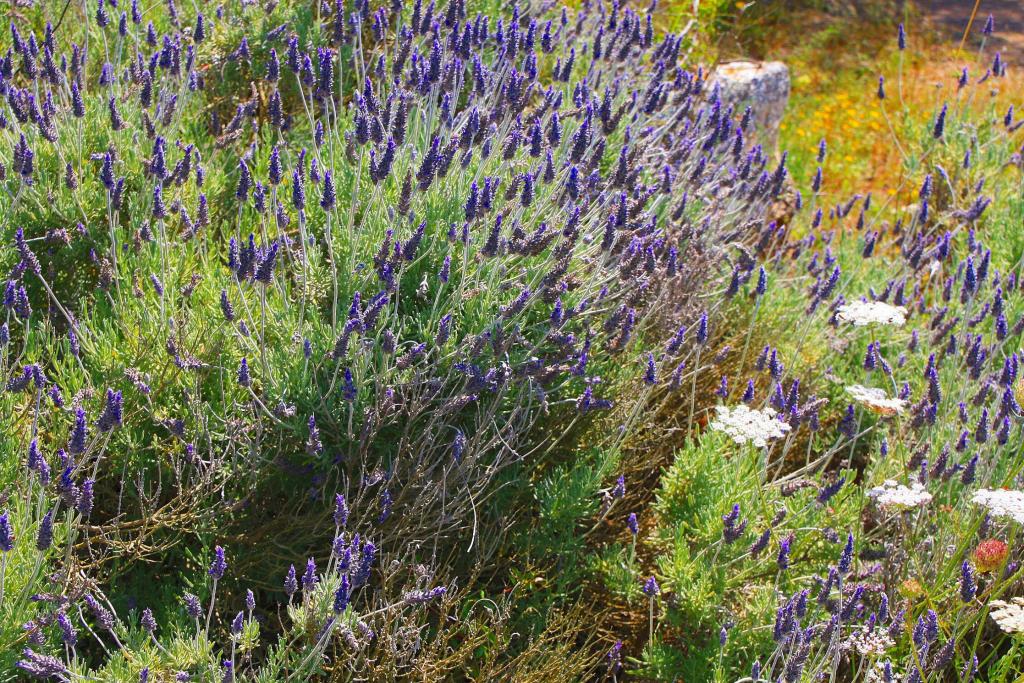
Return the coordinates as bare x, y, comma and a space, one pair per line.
764, 86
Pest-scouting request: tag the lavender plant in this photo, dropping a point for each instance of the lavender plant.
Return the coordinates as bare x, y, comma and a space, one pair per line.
854, 514
294, 282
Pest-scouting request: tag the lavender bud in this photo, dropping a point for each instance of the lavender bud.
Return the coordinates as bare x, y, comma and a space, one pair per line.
44, 538
219, 564
148, 621
192, 606
6, 534
968, 583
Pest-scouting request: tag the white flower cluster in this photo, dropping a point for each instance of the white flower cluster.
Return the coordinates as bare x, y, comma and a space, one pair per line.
1001, 503
862, 313
744, 425
1009, 615
870, 643
876, 400
893, 495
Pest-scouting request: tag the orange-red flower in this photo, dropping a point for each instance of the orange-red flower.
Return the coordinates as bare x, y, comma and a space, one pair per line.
990, 555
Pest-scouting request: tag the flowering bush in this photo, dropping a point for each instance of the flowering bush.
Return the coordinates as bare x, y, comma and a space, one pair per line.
330, 330
294, 282
877, 538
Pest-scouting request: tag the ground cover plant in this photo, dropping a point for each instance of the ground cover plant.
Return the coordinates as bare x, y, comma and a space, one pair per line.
378, 341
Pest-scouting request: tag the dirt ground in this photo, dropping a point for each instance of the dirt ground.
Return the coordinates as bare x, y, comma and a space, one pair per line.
951, 17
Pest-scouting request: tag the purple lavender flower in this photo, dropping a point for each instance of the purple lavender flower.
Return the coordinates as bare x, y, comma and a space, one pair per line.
116, 122
237, 623
419, 597
385, 506
785, 546
41, 666
309, 577
159, 210
225, 306
219, 564
981, 432
761, 543
748, 393
762, 282
291, 585
28, 259
111, 416
259, 197
827, 492
85, 498
349, 391
101, 15
410, 247
848, 425
651, 588
264, 273
1003, 434
244, 181
367, 556
968, 583
732, 526
243, 374
6, 534
328, 196
298, 190
192, 605
342, 595
199, 32
313, 444
104, 619
341, 511
44, 537
846, 558
619, 490
148, 621
650, 376
940, 122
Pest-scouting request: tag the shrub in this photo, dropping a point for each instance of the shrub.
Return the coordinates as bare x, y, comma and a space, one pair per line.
836, 521
287, 284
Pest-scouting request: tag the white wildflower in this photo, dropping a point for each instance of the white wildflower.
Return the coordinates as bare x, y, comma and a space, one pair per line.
893, 495
862, 313
1009, 615
869, 643
1001, 503
744, 425
876, 400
